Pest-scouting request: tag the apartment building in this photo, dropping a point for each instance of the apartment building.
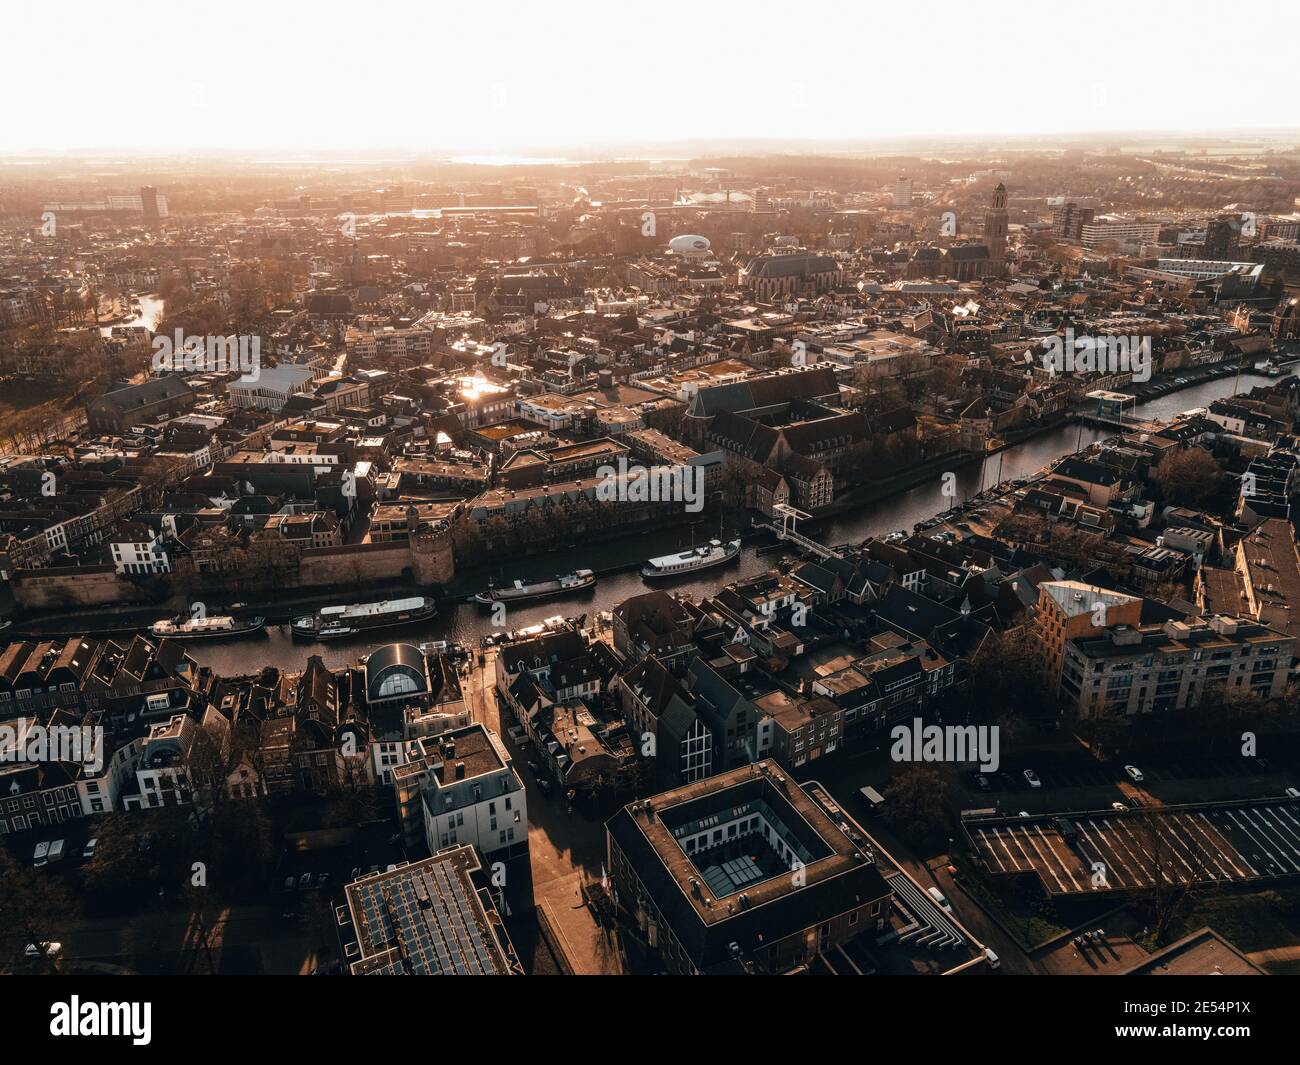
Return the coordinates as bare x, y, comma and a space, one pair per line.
1070, 609
1160, 667
1112, 229
460, 787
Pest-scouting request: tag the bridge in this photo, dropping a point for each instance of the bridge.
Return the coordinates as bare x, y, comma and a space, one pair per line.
1106, 409
788, 530
1126, 422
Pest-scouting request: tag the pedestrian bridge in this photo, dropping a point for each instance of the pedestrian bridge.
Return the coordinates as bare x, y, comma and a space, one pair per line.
787, 530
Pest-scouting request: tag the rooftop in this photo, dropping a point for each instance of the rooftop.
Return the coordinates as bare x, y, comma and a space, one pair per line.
428, 919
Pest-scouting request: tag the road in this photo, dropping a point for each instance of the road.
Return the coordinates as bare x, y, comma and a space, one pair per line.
565, 848
246, 939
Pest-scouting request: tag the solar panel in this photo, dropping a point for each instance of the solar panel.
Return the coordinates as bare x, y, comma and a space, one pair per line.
431, 918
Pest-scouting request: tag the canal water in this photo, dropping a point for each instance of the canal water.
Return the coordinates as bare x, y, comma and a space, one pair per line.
466, 623
149, 315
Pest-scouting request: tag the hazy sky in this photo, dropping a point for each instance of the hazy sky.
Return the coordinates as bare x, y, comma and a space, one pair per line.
485, 76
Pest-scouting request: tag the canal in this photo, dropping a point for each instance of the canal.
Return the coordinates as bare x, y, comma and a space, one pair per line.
465, 623
149, 315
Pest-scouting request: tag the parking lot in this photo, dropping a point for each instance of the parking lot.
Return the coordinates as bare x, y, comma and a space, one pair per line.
1093, 774
336, 858
1109, 850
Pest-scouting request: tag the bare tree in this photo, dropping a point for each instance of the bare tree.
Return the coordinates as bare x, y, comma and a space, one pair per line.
36, 905
1172, 873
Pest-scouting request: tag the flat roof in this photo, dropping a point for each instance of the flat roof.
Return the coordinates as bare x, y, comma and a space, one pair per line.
428, 919
830, 850
1203, 953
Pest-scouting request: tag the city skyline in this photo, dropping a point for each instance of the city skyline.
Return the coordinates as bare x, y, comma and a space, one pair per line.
514, 77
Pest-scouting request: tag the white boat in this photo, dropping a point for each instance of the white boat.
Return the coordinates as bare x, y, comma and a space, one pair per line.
714, 553
443, 647
332, 622
522, 590
187, 628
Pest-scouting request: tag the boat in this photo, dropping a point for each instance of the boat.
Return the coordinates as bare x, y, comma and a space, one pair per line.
1276, 367
183, 627
714, 553
554, 624
444, 647
522, 590
333, 622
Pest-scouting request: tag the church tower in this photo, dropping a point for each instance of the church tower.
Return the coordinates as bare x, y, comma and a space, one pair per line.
995, 232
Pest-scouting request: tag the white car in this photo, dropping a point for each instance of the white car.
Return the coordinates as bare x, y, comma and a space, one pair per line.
1293, 793
1032, 779
993, 960
1118, 806
47, 950
940, 899
1135, 774
88, 851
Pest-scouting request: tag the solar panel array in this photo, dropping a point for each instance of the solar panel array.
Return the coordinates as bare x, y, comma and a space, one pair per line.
427, 914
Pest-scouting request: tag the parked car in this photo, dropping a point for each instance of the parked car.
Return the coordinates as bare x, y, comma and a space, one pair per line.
88, 851
982, 782
993, 960
1118, 806
288, 883
940, 899
41, 855
304, 881
45, 949
1134, 773
1031, 778
1293, 793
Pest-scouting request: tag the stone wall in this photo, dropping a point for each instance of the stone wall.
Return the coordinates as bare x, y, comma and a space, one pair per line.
353, 564
69, 587
428, 560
